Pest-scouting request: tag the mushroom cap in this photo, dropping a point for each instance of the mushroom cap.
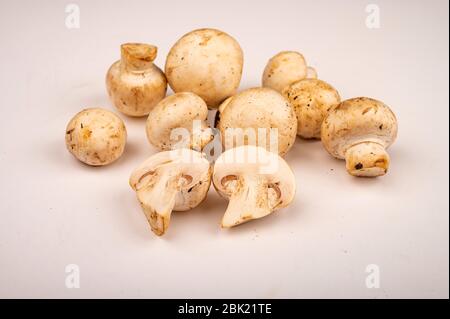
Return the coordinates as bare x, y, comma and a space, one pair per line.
260, 108
283, 69
207, 62
134, 84
312, 99
175, 111
190, 165
255, 161
96, 136
358, 120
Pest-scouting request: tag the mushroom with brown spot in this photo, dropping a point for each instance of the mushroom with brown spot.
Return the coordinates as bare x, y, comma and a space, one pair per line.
134, 83
169, 181
207, 62
180, 111
96, 136
258, 116
360, 130
312, 99
256, 183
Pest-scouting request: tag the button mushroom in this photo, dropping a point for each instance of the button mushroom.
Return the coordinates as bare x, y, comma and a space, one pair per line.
311, 99
96, 137
180, 110
135, 84
169, 181
206, 62
360, 130
250, 115
255, 181
286, 68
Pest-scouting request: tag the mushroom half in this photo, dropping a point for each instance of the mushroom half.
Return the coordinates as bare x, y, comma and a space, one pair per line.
169, 181
255, 181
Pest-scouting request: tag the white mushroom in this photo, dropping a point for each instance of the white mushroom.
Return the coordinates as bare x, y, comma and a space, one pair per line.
180, 110
312, 99
134, 83
255, 181
96, 136
254, 111
207, 62
360, 130
169, 181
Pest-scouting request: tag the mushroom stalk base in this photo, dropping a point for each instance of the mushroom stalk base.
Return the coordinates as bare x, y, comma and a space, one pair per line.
249, 201
158, 200
367, 159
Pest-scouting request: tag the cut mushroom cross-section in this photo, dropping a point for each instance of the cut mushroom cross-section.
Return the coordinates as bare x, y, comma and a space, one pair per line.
169, 181
255, 181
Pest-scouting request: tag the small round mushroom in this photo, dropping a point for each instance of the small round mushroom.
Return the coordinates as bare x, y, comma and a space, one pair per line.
312, 99
96, 136
169, 181
180, 110
207, 62
256, 183
254, 110
283, 69
135, 84
360, 130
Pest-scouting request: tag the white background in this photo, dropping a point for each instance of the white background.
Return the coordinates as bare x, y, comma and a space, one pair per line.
56, 211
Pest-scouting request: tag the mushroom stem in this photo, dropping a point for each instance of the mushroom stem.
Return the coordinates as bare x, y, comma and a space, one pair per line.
137, 56
249, 201
158, 201
367, 159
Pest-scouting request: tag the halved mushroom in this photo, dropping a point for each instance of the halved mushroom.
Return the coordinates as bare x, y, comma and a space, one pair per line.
360, 130
169, 181
255, 181
179, 111
250, 118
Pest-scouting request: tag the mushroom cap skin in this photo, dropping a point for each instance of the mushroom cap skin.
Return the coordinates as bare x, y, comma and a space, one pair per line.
256, 183
312, 99
96, 136
207, 62
360, 130
176, 180
259, 108
178, 111
134, 83
283, 69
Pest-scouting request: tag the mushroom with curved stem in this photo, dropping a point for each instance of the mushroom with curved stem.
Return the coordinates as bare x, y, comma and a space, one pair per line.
251, 117
312, 99
96, 136
256, 183
169, 181
360, 130
183, 110
207, 62
134, 83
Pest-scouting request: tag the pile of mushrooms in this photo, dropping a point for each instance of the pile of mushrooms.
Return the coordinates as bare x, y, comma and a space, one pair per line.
257, 126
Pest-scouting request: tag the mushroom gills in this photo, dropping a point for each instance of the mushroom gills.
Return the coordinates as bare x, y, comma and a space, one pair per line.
367, 159
252, 197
